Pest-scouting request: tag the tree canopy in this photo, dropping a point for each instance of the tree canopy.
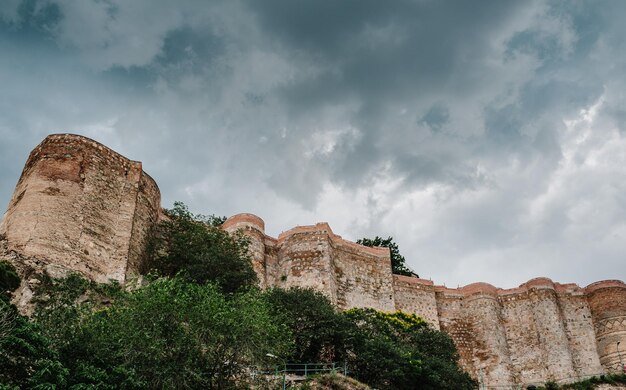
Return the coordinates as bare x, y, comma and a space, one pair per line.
196, 248
398, 262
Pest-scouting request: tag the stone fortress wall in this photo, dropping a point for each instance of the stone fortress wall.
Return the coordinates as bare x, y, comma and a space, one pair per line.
81, 206
536, 332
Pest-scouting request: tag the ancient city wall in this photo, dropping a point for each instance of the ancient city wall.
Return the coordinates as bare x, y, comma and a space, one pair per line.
80, 206
75, 204
537, 332
413, 295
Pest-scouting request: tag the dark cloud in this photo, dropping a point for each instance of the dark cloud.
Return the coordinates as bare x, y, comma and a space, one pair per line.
487, 137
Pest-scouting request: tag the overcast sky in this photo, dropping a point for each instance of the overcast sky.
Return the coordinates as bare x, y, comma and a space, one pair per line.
487, 137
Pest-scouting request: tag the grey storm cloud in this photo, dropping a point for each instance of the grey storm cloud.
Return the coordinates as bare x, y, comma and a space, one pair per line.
486, 137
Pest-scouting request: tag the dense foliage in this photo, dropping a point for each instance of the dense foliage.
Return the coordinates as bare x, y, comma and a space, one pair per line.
9, 280
400, 351
320, 333
170, 334
383, 350
198, 323
193, 247
398, 262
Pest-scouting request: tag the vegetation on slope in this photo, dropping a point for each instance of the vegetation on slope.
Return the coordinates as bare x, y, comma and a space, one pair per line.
196, 324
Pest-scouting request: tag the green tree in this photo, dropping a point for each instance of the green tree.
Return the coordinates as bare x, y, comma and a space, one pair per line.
193, 246
171, 334
398, 262
27, 359
401, 351
319, 332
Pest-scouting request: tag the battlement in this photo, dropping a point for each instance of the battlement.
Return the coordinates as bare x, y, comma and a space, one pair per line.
244, 219
593, 287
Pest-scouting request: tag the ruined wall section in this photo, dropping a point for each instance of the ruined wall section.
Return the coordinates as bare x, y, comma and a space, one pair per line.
537, 332
527, 356
416, 296
74, 206
491, 355
350, 275
607, 301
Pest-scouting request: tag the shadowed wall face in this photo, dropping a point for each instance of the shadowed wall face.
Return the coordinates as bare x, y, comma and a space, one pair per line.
75, 205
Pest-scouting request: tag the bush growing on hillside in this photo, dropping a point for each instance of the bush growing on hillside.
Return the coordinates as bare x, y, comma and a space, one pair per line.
320, 333
170, 334
400, 351
27, 358
383, 350
194, 247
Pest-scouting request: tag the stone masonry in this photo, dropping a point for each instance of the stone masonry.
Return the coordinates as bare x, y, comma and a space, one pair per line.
537, 332
79, 206
82, 206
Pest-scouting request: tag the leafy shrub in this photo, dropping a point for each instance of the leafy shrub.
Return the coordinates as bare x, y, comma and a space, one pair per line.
401, 351
169, 334
320, 333
26, 357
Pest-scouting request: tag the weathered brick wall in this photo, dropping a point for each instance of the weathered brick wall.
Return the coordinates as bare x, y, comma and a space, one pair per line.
363, 276
527, 356
580, 332
607, 301
417, 296
74, 206
537, 332
305, 259
482, 309
458, 324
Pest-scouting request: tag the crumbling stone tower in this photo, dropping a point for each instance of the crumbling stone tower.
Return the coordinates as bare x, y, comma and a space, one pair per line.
82, 206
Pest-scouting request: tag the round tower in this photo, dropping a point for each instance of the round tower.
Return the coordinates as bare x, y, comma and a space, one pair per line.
607, 301
491, 356
253, 228
76, 206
